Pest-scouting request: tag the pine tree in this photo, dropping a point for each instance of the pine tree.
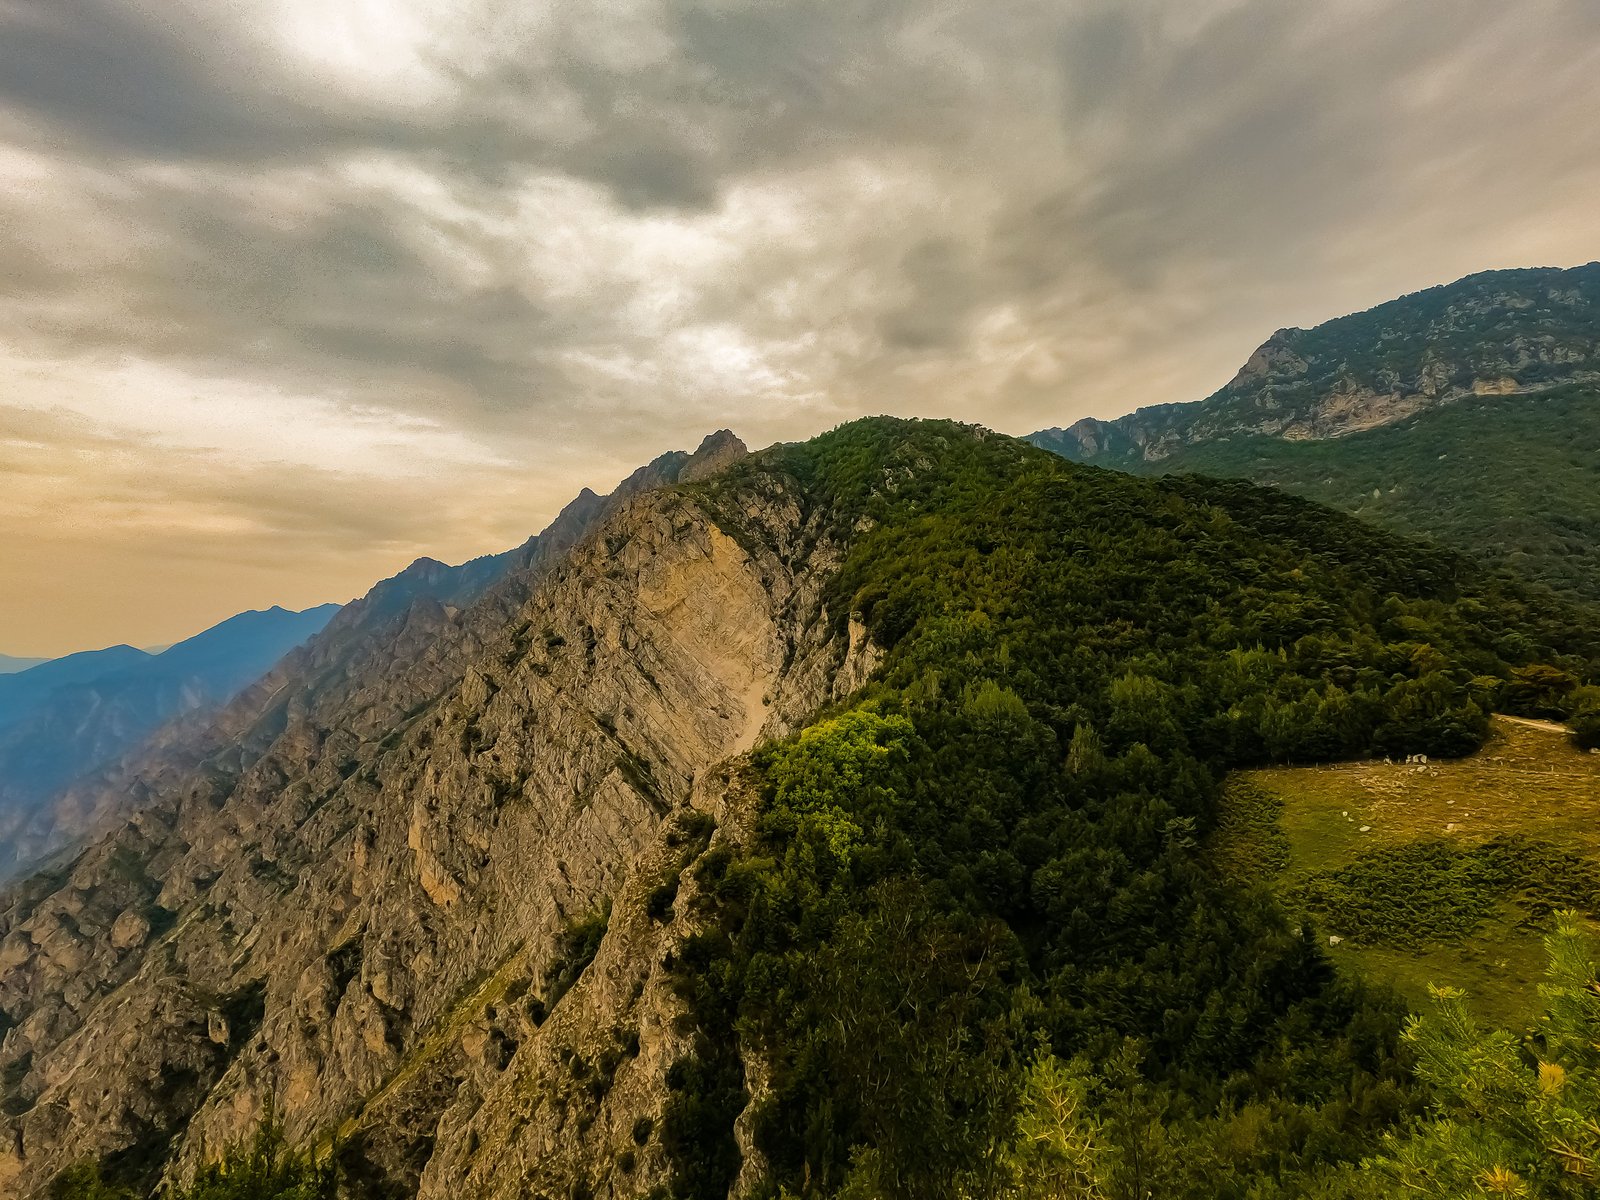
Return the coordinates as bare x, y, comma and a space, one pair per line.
1511, 1116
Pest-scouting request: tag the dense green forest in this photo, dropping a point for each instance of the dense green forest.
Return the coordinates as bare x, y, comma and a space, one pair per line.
978, 889
1512, 479
976, 943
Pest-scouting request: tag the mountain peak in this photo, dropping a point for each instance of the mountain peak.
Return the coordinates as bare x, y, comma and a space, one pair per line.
424, 563
716, 452
1493, 333
721, 438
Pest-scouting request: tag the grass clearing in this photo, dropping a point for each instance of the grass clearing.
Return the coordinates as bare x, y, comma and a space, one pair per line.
1437, 872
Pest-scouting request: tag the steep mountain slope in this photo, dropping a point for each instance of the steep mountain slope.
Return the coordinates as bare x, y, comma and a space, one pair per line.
503, 901
62, 720
377, 660
1515, 480
1496, 333
1467, 413
651, 654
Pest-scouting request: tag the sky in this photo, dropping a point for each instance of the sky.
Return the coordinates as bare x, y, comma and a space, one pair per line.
295, 291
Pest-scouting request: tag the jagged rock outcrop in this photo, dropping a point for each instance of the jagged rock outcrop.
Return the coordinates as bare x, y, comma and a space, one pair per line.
351, 907
1495, 333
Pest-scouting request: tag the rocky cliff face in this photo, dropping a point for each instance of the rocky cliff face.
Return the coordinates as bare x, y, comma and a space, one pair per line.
364, 901
376, 661
1497, 333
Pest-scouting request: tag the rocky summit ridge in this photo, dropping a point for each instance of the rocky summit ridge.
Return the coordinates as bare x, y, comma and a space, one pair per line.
395, 625
1496, 333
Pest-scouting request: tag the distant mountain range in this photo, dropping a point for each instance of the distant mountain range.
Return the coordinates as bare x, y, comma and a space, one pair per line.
10, 665
66, 717
1468, 413
25, 689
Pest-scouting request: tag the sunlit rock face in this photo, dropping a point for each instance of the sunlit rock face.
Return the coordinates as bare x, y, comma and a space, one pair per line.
1494, 334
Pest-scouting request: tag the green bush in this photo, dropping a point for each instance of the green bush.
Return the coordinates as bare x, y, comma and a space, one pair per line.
84, 1181
265, 1168
268, 1169
1410, 896
1584, 720
576, 947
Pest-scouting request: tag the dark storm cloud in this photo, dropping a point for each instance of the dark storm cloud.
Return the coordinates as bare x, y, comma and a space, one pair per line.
1127, 147
742, 84
943, 290
1099, 59
113, 86
129, 81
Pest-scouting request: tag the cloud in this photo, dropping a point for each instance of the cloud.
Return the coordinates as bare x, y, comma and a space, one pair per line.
432, 267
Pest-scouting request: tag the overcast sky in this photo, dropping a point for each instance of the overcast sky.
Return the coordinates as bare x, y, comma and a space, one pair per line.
294, 291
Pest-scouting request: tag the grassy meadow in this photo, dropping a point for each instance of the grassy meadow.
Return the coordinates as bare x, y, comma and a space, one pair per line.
1442, 872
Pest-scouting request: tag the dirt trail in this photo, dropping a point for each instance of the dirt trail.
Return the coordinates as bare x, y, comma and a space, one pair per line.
1548, 726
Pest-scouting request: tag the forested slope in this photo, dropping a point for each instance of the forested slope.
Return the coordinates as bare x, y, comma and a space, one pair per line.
1513, 480
987, 863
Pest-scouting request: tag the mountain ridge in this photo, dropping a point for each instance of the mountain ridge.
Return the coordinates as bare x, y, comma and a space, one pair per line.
10, 664
1507, 332
1467, 413
393, 627
64, 720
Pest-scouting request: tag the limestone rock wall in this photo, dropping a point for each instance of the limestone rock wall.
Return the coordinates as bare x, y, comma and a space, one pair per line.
357, 931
